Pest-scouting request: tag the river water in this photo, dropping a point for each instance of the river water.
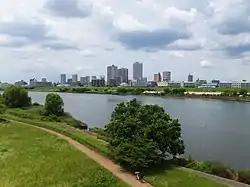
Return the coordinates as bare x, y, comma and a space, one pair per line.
212, 129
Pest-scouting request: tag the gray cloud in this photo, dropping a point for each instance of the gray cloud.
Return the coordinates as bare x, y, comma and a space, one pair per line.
109, 49
190, 46
32, 31
150, 40
58, 46
237, 50
234, 26
67, 8
15, 42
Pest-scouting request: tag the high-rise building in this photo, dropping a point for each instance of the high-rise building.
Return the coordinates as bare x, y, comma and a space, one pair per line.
123, 74
93, 78
190, 78
85, 81
138, 71
157, 77
74, 78
44, 80
166, 76
63, 79
112, 73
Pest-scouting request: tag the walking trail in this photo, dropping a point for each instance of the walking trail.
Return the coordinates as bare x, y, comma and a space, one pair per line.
106, 163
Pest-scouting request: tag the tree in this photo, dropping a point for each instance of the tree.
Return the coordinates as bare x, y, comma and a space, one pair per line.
16, 96
141, 135
54, 105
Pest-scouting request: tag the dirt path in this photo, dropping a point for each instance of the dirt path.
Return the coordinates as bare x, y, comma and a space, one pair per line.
106, 163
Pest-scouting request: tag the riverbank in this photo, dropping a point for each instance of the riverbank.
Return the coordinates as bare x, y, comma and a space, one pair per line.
240, 95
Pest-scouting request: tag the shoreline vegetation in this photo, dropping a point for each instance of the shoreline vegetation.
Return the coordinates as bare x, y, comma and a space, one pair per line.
52, 116
227, 94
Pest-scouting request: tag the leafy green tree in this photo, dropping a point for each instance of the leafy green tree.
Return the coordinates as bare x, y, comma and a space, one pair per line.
54, 105
16, 96
141, 135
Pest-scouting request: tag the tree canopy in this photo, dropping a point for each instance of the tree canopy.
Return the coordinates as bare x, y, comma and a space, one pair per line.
53, 105
141, 135
16, 96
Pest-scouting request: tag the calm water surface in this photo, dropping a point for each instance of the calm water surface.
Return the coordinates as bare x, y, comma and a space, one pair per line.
212, 129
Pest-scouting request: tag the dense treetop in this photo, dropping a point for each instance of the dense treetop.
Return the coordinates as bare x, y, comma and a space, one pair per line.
141, 135
15, 96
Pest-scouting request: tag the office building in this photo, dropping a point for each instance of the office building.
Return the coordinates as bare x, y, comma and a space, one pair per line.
44, 80
63, 79
93, 78
166, 76
20, 83
85, 80
123, 74
98, 82
138, 71
69, 81
74, 78
112, 73
157, 77
190, 78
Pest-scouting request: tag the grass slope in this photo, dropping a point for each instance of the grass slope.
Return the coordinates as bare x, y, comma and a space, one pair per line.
179, 178
32, 158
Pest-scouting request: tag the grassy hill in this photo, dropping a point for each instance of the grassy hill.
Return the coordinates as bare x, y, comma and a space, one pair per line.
33, 158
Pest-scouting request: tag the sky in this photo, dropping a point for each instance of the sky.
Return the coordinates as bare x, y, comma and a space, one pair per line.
44, 38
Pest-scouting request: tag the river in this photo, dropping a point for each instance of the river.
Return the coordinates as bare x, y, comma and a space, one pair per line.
212, 129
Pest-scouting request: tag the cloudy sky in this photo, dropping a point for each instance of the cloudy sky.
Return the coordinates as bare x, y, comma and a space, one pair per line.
43, 38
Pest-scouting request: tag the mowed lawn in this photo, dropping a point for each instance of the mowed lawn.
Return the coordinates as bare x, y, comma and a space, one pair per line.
33, 158
179, 178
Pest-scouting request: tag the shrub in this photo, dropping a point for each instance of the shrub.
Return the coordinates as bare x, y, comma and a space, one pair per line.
36, 104
54, 105
15, 97
244, 176
223, 171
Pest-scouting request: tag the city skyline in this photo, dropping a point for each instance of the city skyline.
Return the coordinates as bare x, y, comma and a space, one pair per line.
78, 37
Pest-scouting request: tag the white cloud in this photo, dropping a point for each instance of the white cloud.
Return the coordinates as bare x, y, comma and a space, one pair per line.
206, 64
184, 35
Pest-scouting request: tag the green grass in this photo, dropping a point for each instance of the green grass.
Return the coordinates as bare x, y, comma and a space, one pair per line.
179, 178
32, 158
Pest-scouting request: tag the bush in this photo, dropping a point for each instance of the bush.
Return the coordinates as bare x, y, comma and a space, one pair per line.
244, 176
54, 105
223, 171
2, 108
15, 97
214, 168
200, 166
36, 104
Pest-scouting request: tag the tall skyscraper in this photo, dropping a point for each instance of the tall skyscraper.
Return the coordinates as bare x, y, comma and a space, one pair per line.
123, 74
167, 76
74, 78
138, 71
190, 78
112, 73
157, 77
63, 79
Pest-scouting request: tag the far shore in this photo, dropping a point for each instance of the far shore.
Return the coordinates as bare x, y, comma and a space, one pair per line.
218, 95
